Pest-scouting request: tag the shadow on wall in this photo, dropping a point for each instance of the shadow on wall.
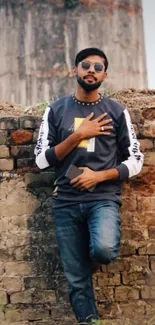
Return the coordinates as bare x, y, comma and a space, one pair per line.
43, 246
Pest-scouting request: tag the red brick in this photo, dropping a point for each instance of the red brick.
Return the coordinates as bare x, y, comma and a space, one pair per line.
22, 136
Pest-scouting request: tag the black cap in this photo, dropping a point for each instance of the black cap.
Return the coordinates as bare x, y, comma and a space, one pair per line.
90, 51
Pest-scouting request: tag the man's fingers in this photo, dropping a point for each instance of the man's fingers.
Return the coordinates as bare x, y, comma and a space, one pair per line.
89, 117
105, 122
74, 180
105, 133
103, 128
99, 118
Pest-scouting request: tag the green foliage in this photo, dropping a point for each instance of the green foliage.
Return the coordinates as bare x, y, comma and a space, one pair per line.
95, 322
70, 4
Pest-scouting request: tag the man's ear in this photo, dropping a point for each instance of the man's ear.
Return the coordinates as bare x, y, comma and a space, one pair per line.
74, 71
105, 75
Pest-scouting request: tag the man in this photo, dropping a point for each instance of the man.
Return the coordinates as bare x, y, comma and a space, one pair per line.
95, 134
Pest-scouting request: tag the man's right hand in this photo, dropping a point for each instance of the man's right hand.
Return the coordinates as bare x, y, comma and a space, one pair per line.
91, 128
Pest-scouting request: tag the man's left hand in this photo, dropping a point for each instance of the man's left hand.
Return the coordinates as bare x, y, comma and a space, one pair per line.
86, 180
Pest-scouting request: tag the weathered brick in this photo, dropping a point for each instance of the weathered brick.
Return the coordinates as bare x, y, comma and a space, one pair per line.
109, 310
138, 263
104, 294
15, 207
150, 310
136, 234
13, 315
23, 151
6, 164
26, 162
4, 151
48, 322
44, 296
18, 268
148, 129
129, 203
7, 322
124, 293
11, 284
111, 280
30, 122
136, 116
152, 232
9, 123
149, 159
128, 248
2, 315
38, 282
130, 309
2, 268
34, 313
145, 144
152, 259
3, 297
3, 137
148, 292
23, 297
146, 203
138, 278
14, 223
35, 135
148, 249
22, 136
150, 278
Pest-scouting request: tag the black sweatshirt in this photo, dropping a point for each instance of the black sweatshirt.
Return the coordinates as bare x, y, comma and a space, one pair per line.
118, 150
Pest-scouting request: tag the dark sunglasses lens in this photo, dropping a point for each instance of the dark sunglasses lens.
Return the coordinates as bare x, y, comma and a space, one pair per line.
85, 65
98, 67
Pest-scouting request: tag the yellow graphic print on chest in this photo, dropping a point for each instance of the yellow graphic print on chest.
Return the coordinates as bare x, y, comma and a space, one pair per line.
77, 123
87, 144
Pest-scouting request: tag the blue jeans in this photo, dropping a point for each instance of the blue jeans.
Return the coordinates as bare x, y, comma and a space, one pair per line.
86, 231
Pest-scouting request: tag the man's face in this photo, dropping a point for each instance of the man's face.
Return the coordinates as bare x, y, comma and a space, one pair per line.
90, 72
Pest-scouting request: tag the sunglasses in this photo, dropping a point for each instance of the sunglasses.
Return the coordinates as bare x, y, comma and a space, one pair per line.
98, 67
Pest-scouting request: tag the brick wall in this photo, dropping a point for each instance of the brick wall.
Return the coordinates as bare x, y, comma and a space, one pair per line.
33, 290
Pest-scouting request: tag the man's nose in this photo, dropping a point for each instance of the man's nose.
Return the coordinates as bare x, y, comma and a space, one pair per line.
91, 69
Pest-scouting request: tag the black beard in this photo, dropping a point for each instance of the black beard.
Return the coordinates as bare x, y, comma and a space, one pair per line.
88, 87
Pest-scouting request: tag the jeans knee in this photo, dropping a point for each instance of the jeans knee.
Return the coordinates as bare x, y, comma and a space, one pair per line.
105, 254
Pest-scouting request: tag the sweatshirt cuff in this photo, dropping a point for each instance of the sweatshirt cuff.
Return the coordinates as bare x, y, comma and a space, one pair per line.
123, 172
51, 156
